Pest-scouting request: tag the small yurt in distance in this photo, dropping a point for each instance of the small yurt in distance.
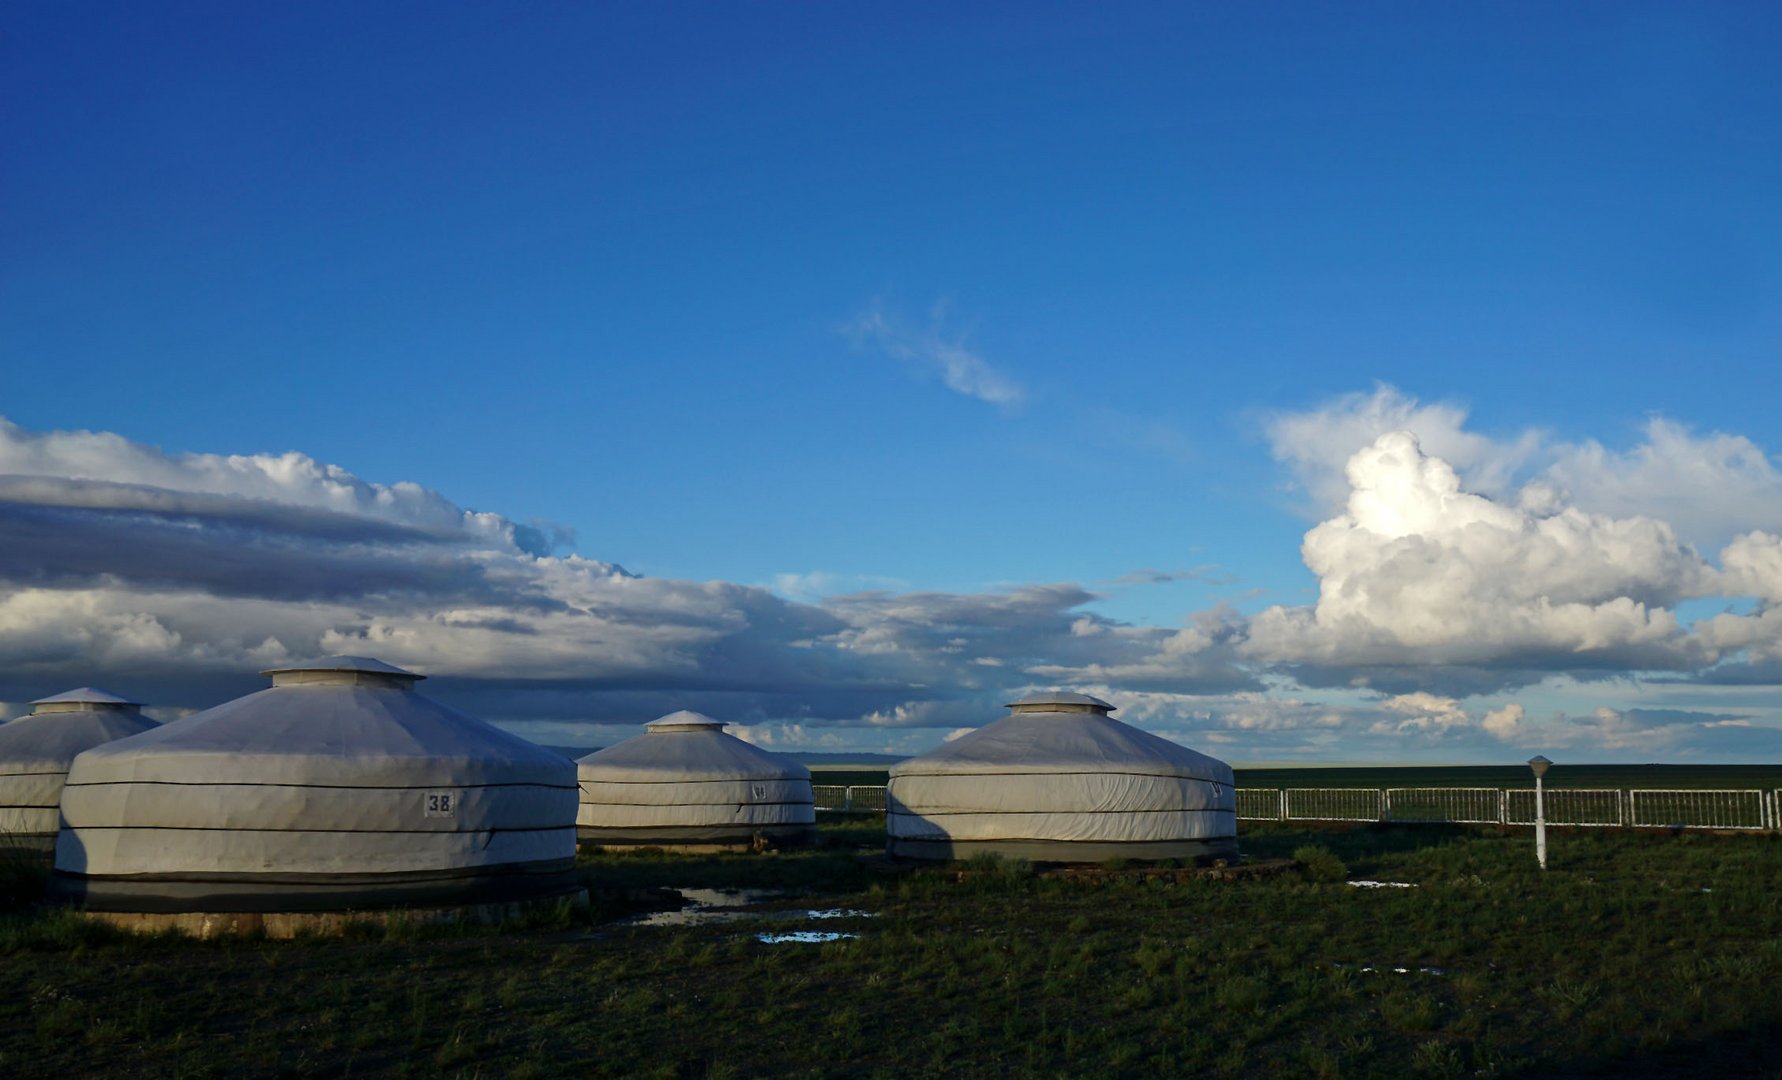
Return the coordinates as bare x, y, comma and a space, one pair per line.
686, 783
340, 788
1059, 780
36, 750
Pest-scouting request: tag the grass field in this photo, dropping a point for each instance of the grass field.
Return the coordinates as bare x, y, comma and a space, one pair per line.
1635, 955
1766, 777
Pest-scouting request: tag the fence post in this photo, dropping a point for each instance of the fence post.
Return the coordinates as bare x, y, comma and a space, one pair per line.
1503, 807
1280, 804
848, 799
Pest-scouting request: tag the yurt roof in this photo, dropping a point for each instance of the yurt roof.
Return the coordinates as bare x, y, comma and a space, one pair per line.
686, 746
86, 695
369, 731
46, 741
1063, 742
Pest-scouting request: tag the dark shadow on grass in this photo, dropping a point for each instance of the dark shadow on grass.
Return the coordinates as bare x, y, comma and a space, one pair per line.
24, 874
1354, 844
834, 863
1755, 1051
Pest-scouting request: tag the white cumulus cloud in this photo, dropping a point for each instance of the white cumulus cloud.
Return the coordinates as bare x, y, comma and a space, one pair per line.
1420, 571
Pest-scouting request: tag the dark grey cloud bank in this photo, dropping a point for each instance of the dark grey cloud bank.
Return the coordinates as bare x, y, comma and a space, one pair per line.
176, 576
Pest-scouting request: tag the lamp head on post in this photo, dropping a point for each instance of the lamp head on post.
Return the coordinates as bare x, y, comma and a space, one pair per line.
1540, 765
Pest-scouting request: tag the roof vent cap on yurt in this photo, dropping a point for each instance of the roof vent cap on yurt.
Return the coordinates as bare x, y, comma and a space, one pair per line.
344, 671
1058, 701
683, 720
85, 699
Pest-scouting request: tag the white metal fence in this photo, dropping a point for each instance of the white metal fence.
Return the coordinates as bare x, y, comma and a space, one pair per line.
1567, 806
1701, 809
1749, 810
1470, 806
1732, 809
848, 797
1332, 804
1268, 804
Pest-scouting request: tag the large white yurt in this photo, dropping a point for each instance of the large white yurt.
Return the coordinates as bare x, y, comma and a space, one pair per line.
1059, 780
36, 750
686, 783
340, 788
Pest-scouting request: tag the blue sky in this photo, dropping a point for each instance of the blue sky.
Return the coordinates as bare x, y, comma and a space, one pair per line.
927, 304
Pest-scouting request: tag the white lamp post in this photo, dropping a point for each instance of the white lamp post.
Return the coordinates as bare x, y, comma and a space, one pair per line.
1540, 766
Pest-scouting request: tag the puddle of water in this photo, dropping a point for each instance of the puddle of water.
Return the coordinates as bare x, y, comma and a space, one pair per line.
728, 898
685, 917
707, 906
817, 936
1382, 884
1370, 969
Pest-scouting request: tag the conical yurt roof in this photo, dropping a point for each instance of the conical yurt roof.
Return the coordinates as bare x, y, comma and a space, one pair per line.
1062, 732
333, 717
687, 746
62, 726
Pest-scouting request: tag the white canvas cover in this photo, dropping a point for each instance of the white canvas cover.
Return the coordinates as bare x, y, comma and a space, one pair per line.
338, 787
36, 750
686, 781
1058, 779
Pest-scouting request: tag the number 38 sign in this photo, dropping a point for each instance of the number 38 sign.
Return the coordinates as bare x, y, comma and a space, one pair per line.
442, 804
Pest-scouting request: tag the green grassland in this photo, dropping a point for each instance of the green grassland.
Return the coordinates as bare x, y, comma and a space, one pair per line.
1765, 777
1634, 955
866, 776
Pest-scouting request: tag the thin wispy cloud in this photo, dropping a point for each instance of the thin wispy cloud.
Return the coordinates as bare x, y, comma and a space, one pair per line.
933, 351
1145, 575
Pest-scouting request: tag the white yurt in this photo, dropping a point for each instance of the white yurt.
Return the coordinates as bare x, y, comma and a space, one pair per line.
36, 750
1059, 780
686, 783
340, 788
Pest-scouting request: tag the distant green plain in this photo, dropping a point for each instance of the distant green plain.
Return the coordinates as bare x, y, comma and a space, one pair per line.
1765, 777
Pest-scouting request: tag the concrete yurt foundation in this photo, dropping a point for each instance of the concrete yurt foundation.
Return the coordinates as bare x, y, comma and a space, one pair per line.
686, 785
284, 925
1059, 780
338, 793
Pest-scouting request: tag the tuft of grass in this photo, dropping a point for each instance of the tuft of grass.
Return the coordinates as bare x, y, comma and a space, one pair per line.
1410, 1012
1437, 1058
1319, 863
